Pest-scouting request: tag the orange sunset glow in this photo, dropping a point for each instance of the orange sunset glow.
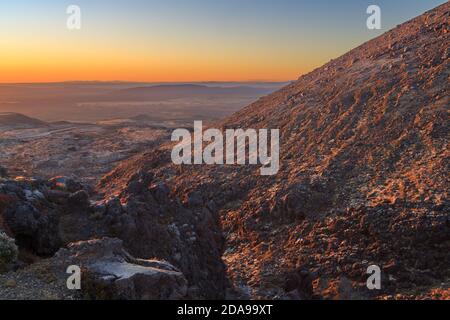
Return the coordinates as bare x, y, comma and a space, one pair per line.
154, 41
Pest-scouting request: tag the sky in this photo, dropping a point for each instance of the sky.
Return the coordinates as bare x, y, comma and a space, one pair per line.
185, 40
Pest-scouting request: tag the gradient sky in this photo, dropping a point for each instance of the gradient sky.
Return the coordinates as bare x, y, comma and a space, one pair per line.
185, 40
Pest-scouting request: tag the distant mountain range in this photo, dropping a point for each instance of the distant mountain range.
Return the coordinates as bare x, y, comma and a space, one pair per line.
164, 92
93, 101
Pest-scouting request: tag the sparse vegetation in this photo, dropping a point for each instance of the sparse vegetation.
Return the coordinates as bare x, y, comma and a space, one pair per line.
8, 251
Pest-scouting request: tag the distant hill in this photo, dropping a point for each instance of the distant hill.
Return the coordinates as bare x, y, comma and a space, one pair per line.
11, 120
163, 92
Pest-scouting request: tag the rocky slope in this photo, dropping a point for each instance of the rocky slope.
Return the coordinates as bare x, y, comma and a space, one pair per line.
46, 215
363, 180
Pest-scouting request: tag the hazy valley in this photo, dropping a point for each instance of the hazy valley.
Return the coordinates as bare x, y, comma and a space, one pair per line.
84, 129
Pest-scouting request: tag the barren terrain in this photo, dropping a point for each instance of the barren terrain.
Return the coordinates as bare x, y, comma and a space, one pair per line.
83, 152
363, 181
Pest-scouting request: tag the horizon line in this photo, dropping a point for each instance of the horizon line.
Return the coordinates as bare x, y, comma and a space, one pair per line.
149, 82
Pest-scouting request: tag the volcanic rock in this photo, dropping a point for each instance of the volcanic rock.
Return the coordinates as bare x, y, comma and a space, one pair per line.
109, 272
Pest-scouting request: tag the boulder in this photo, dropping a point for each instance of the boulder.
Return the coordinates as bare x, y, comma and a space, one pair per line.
33, 229
109, 272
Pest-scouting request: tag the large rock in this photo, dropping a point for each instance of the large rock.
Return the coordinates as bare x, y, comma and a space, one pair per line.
31, 215
33, 229
109, 272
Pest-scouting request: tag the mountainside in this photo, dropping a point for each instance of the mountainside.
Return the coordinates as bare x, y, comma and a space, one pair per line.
363, 177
